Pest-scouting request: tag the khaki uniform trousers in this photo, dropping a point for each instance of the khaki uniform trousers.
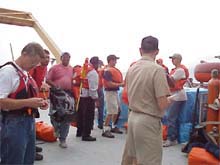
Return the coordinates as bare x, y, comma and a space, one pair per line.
144, 140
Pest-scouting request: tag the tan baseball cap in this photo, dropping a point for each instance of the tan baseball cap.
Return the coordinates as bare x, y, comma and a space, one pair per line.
176, 55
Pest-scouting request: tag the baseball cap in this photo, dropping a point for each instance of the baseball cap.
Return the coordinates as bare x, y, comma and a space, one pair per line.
176, 55
112, 57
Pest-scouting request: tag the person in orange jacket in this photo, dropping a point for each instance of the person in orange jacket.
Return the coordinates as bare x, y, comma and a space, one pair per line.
112, 80
177, 78
88, 98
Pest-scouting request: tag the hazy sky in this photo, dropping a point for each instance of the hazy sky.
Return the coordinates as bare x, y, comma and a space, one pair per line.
87, 28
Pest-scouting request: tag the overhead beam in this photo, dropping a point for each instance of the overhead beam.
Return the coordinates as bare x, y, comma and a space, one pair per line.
13, 20
20, 18
46, 38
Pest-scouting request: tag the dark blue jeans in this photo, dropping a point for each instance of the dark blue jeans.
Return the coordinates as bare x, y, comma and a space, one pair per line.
18, 140
172, 119
101, 107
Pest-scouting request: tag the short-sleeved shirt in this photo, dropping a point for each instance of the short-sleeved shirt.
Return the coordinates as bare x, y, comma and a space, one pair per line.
146, 81
93, 81
179, 95
9, 80
61, 76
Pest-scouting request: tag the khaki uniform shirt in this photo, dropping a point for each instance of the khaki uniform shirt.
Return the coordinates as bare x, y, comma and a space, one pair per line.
146, 81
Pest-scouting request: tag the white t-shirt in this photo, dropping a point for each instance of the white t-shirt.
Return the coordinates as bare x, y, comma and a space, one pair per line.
93, 80
9, 80
181, 94
179, 74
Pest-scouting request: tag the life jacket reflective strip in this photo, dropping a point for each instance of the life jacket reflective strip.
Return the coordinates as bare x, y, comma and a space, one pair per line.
24, 91
116, 76
179, 84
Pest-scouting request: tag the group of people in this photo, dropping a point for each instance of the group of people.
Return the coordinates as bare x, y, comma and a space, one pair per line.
150, 88
24, 90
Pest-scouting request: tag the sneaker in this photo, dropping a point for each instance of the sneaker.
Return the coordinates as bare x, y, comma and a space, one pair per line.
63, 144
169, 143
38, 149
88, 138
38, 157
107, 134
116, 130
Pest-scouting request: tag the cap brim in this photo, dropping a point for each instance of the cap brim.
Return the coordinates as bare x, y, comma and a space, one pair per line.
171, 57
117, 58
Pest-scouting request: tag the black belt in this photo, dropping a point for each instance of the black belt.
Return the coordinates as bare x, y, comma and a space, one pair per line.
17, 113
111, 89
157, 117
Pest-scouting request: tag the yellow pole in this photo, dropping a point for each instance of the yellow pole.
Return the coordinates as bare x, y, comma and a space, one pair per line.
83, 76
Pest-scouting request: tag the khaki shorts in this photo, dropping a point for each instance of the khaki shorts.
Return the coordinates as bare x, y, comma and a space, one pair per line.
112, 102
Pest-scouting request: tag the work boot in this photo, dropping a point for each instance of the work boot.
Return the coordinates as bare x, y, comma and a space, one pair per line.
88, 138
107, 134
116, 130
38, 157
38, 149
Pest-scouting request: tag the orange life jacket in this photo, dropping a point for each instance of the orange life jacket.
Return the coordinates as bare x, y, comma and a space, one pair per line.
116, 76
38, 73
179, 84
24, 91
100, 72
77, 80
